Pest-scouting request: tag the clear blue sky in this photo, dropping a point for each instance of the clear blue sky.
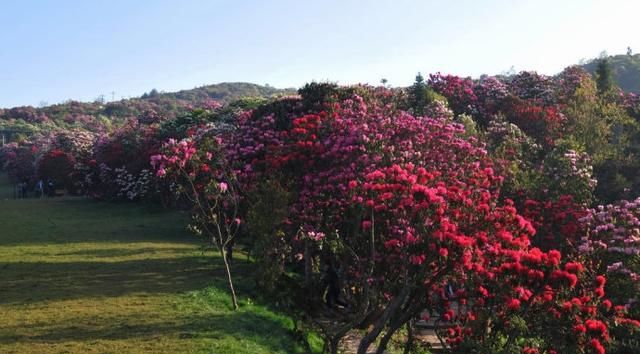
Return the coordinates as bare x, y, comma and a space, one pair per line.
56, 50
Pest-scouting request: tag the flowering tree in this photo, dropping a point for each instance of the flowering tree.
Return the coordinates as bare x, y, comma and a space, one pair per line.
529, 85
409, 207
543, 123
569, 81
19, 161
119, 164
491, 93
458, 91
556, 219
612, 245
568, 172
57, 165
201, 174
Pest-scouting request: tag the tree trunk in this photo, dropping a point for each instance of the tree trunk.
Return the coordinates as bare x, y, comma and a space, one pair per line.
384, 341
234, 300
393, 306
408, 347
405, 317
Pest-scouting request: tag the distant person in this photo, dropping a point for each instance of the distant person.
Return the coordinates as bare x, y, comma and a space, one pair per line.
51, 187
23, 189
40, 189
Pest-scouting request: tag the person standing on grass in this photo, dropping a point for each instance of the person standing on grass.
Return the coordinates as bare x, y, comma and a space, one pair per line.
40, 189
23, 189
51, 188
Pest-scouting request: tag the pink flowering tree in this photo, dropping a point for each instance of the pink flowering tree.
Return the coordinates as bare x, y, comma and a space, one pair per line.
200, 173
529, 85
491, 93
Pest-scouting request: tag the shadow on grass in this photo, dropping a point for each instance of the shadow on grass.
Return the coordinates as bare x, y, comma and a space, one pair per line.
121, 252
267, 331
29, 282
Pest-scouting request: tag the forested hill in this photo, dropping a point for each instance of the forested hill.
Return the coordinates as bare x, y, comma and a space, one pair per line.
224, 92
150, 106
625, 69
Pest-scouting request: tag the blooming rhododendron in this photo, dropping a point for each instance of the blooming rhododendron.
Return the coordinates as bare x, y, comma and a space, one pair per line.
473, 213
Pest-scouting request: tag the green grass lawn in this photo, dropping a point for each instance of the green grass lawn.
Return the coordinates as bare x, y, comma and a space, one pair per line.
79, 276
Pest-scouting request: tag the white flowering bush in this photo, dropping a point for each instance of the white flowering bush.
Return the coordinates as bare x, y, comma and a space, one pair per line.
133, 187
568, 171
612, 243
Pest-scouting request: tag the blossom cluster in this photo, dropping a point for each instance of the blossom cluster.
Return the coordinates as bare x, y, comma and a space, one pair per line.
614, 236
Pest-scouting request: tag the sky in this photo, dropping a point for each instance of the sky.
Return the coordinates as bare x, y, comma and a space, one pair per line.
52, 51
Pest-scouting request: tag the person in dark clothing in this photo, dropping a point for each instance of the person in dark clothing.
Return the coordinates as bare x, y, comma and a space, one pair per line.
39, 189
23, 189
333, 282
51, 188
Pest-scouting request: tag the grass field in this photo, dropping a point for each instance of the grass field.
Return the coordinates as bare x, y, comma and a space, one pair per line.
79, 276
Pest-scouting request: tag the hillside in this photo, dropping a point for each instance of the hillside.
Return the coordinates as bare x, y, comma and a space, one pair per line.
626, 70
224, 92
152, 106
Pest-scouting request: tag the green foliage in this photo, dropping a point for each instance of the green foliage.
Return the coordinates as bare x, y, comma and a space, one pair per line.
248, 103
604, 130
315, 95
179, 127
18, 130
518, 156
568, 171
604, 76
268, 207
420, 96
227, 92
600, 126
470, 126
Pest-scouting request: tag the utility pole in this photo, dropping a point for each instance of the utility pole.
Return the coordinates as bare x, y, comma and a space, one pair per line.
113, 96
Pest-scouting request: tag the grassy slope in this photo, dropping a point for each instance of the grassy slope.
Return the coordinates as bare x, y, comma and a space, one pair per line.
77, 276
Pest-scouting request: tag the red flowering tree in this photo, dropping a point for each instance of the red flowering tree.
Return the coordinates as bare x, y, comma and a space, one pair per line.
58, 166
458, 91
557, 221
408, 208
543, 123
